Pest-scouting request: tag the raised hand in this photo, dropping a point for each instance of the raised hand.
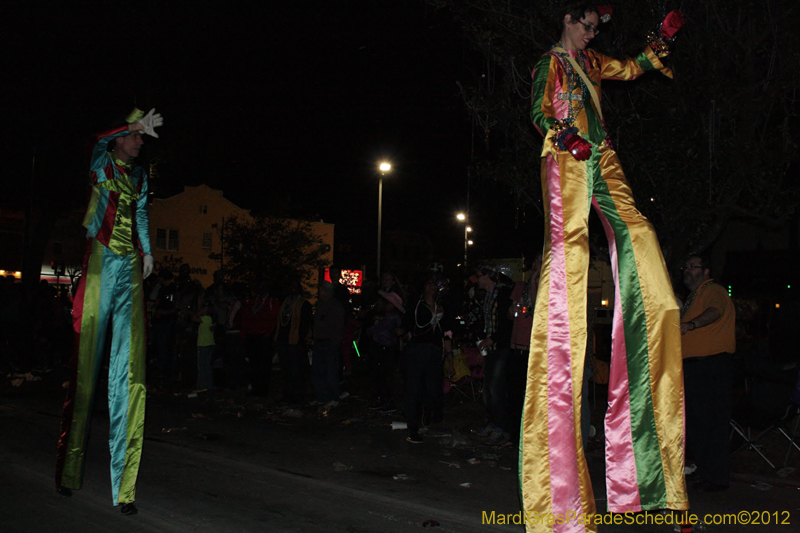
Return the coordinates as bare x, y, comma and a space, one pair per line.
151, 121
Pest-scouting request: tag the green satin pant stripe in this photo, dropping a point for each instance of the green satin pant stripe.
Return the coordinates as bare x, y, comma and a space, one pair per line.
646, 447
136, 387
90, 347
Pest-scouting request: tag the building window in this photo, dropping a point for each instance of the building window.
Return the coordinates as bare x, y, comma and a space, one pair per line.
203, 209
206, 241
167, 239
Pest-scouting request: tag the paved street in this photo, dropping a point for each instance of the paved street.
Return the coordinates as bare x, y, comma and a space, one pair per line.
225, 463
248, 471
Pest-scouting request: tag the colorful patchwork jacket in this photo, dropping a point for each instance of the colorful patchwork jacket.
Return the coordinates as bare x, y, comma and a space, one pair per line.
117, 212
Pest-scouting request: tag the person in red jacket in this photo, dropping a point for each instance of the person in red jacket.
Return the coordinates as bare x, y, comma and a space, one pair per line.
259, 320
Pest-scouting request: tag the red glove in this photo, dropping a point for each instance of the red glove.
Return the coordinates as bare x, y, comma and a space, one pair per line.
671, 24
579, 147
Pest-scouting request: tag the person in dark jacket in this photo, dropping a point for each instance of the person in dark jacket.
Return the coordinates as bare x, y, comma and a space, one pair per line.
329, 321
495, 346
429, 337
291, 335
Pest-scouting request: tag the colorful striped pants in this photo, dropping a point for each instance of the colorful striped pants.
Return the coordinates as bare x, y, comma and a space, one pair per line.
644, 421
111, 288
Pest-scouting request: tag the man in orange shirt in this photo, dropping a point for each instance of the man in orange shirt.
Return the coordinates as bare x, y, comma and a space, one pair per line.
708, 321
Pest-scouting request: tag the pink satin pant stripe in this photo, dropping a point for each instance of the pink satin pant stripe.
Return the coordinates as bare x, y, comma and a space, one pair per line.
622, 485
564, 479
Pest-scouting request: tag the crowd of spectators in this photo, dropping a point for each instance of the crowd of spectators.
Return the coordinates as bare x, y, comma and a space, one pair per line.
35, 325
393, 336
389, 341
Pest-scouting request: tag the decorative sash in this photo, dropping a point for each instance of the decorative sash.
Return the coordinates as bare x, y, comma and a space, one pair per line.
560, 51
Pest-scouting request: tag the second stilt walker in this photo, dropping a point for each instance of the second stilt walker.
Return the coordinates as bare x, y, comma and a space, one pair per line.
118, 258
644, 421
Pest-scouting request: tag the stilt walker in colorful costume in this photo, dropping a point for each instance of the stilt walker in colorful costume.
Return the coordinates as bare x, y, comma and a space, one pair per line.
644, 421
118, 258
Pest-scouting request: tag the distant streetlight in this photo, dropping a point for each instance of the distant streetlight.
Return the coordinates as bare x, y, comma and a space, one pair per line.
464, 217
383, 167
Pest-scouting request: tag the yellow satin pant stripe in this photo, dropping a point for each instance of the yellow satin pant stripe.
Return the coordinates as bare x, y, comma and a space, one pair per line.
72, 474
137, 391
535, 464
535, 467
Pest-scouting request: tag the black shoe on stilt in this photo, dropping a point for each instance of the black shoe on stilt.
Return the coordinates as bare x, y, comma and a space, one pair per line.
64, 491
129, 509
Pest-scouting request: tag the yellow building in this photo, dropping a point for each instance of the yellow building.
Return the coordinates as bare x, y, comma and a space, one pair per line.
185, 228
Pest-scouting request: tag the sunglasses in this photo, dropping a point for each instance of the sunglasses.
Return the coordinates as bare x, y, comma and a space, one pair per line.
589, 28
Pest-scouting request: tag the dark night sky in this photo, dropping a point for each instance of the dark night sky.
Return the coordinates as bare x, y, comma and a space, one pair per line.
287, 107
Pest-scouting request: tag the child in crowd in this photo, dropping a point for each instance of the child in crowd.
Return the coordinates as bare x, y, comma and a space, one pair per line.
205, 344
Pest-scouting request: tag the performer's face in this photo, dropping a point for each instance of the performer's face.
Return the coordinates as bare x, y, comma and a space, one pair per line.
128, 147
578, 33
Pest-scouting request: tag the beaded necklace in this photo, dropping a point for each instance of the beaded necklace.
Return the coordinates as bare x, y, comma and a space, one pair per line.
526, 294
434, 321
488, 307
287, 311
256, 308
577, 100
692, 296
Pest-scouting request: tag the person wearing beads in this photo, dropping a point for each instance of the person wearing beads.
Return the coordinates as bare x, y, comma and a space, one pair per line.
644, 421
428, 337
118, 258
708, 326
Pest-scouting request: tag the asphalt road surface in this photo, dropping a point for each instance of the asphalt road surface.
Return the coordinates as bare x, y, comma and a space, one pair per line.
226, 474
221, 463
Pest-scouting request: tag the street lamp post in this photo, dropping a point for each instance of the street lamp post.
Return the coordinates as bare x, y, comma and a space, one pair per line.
467, 229
384, 167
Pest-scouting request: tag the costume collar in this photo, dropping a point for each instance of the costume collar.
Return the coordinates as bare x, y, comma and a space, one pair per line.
559, 49
120, 163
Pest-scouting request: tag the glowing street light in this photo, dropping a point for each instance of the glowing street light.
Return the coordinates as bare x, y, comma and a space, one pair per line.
383, 167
